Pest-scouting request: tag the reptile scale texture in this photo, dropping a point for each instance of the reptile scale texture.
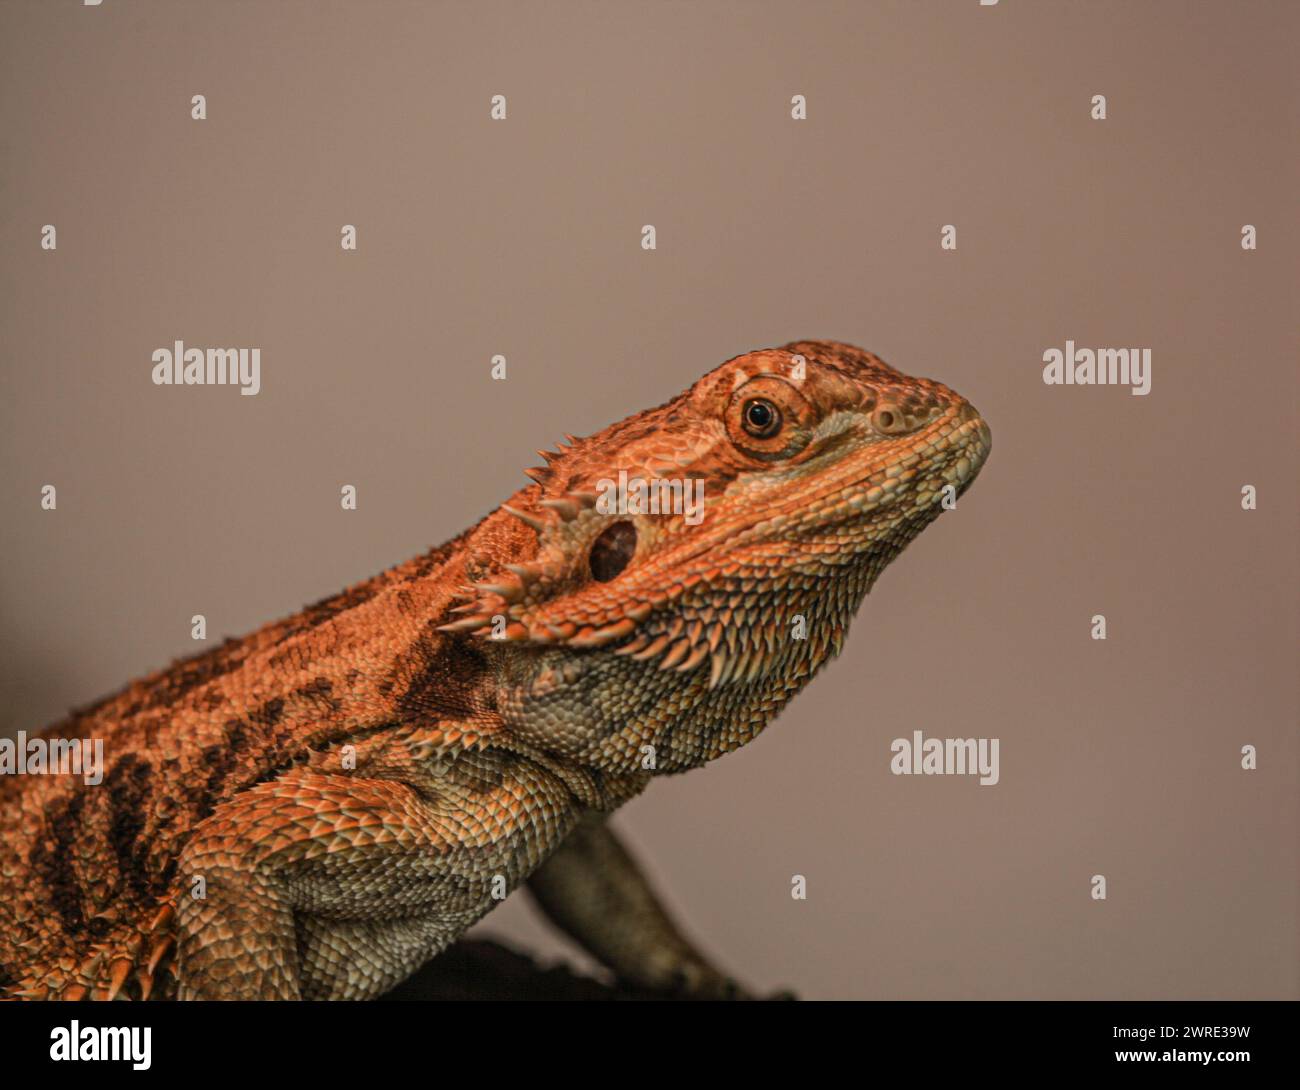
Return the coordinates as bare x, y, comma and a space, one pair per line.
352, 787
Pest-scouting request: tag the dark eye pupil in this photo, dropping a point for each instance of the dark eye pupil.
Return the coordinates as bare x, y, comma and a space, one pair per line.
761, 418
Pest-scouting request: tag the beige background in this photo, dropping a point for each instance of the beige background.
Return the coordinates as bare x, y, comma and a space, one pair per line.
522, 238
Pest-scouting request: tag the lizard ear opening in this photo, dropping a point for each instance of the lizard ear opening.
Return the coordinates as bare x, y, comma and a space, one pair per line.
612, 551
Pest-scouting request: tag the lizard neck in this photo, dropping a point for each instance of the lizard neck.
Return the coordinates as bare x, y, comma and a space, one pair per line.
620, 716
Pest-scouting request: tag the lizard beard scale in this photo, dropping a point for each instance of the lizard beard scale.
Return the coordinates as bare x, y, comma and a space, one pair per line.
318, 808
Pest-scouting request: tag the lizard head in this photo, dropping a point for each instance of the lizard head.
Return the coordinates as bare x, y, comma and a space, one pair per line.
712, 551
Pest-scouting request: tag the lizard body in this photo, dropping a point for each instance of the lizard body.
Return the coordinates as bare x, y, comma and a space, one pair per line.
318, 808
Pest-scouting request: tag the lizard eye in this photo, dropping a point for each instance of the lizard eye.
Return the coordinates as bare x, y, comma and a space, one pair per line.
769, 419
612, 551
762, 418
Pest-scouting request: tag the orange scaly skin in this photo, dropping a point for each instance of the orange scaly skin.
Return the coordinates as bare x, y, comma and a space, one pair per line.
318, 808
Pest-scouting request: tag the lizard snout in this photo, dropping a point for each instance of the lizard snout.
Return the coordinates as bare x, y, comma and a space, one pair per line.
974, 441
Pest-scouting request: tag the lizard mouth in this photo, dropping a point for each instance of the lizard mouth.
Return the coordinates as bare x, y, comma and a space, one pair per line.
972, 442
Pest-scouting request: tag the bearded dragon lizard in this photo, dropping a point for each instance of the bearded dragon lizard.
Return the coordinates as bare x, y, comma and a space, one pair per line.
317, 809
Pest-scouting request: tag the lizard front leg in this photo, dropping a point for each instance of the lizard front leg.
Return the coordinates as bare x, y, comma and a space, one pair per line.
278, 850
331, 885
592, 889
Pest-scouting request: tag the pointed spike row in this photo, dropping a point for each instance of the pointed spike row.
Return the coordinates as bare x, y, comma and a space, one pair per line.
617, 630
121, 967
467, 624
527, 574
717, 671
34, 991
656, 647
676, 655
696, 657
580, 634
531, 521
633, 647
566, 508
538, 474
511, 591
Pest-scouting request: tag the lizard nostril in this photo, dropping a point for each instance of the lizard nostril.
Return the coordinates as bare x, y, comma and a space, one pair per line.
886, 420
